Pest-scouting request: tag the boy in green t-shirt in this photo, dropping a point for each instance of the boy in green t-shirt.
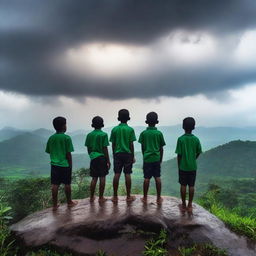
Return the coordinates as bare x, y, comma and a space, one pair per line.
122, 138
188, 149
152, 142
97, 146
60, 146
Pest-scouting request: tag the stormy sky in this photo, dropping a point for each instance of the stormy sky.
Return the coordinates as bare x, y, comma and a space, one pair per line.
92, 57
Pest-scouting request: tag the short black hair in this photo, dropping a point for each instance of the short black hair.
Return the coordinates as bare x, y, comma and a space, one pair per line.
152, 118
189, 124
97, 122
123, 115
59, 122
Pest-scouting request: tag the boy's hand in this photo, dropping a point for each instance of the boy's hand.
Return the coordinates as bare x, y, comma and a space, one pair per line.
134, 160
108, 165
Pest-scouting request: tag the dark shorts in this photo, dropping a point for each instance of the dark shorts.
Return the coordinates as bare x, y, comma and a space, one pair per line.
123, 161
151, 170
187, 178
98, 167
60, 175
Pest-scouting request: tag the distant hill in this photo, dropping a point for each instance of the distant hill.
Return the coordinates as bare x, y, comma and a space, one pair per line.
232, 160
9, 132
26, 152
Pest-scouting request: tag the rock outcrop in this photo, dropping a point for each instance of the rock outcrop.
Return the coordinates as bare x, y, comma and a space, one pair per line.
121, 229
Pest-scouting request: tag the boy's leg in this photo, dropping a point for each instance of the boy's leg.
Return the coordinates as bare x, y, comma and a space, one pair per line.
158, 189
183, 196
92, 188
115, 186
68, 195
145, 190
55, 189
128, 184
101, 189
191, 196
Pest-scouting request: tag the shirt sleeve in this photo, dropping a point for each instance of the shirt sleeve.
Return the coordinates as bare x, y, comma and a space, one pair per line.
133, 137
162, 141
199, 148
69, 145
47, 149
105, 141
178, 148
141, 140
87, 141
112, 137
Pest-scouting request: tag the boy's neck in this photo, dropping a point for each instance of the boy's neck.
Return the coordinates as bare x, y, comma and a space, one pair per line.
123, 122
188, 132
60, 131
151, 125
97, 129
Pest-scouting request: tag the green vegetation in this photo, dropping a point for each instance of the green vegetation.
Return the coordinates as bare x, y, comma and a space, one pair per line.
229, 205
202, 249
157, 246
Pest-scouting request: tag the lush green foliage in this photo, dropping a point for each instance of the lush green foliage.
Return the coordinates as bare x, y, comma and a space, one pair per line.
202, 249
224, 204
157, 246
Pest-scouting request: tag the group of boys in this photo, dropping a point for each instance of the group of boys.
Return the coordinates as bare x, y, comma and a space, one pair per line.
59, 146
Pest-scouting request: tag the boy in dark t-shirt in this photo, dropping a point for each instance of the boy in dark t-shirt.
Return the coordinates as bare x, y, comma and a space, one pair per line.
188, 149
97, 146
152, 142
122, 138
60, 146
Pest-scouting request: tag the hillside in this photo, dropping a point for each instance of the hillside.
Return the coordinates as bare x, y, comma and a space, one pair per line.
25, 155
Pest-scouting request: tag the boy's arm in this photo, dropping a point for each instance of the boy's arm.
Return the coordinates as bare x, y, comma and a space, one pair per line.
161, 154
197, 155
105, 150
132, 151
113, 148
142, 149
179, 160
89, 150
69, 158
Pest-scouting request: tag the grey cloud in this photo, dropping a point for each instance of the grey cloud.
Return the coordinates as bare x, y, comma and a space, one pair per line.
34, 31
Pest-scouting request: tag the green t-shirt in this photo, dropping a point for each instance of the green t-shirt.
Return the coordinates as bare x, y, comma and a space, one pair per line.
152, 140
188, 147
122, 136
95, 141
58, 145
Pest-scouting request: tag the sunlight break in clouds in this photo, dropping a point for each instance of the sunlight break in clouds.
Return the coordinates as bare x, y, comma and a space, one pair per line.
107, 59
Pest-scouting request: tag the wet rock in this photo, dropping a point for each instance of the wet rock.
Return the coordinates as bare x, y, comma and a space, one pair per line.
121, 229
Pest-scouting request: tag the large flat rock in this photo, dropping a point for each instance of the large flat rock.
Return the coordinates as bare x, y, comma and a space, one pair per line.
88, 227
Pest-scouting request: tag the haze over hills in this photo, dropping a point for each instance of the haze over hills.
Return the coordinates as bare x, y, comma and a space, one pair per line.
210, 136
26, 151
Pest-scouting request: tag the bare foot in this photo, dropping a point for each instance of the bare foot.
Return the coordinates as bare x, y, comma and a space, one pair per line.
72, 204
130, 198
144, 200
114, 199
190, 209
55, 207
92, 199
102, 200
159, 200
183, 208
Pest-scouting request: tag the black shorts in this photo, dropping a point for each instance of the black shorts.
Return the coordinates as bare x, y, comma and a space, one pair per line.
123, 161
187, 178
151, 170
60, 175
98, 167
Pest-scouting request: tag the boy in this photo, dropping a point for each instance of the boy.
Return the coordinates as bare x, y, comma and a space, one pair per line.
188, 149
152, 142
60, 146
122, 138
97, 146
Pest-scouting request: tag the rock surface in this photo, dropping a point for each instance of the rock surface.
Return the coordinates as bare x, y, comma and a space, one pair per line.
113, 228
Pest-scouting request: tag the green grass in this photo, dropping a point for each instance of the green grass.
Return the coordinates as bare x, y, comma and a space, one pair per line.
242, 225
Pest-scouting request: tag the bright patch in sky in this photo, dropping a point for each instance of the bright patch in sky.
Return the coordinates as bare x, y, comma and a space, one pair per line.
107, 59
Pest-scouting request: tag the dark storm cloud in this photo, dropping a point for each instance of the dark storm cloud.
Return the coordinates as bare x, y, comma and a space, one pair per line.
33, 32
